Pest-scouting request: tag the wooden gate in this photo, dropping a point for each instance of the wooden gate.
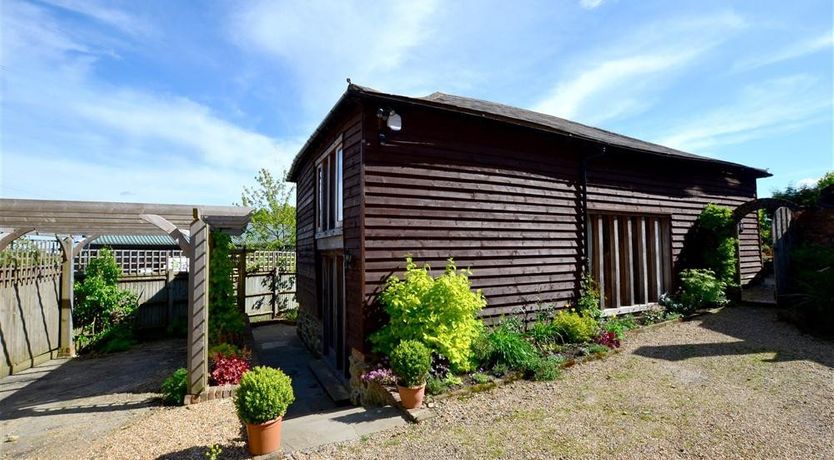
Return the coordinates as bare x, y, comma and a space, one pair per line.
782, 244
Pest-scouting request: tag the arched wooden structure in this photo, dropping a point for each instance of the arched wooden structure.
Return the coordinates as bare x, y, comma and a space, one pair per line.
768, 204
187, 224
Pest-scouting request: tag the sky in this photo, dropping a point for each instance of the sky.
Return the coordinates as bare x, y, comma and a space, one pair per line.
182, 102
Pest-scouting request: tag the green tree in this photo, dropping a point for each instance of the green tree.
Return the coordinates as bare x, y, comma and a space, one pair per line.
805, 195
273, 222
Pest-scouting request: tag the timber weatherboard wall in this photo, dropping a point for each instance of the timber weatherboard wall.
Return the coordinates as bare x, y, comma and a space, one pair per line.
504, 199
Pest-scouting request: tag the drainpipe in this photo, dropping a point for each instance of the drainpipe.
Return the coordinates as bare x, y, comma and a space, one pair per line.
586, 265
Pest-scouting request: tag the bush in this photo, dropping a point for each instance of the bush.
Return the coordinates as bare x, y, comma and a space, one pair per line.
228, 370
717, 243
440, 312
700, 289
508, 347
608, 339
435, 386
224, 349
619, 325
545, 368
264, 394
480, 378
597, 349
226, 322
570, 327
588, 302
813, 280
411, 361
542, 332
175, 387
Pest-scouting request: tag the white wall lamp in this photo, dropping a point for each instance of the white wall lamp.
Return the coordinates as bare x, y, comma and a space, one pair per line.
393, 121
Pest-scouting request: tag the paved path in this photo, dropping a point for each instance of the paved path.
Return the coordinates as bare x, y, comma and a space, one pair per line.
314, 419
62, 405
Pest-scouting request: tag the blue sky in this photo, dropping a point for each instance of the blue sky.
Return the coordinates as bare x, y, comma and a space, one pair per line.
182, 102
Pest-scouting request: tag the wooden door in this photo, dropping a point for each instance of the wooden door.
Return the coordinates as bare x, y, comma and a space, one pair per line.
333, 309
782, 243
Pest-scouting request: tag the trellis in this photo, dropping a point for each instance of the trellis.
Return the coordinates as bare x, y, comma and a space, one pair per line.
75, 224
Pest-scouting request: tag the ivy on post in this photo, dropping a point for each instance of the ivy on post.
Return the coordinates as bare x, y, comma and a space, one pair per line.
198, 302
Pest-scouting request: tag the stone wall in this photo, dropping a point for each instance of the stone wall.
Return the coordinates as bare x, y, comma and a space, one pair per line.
365, 393
310, 331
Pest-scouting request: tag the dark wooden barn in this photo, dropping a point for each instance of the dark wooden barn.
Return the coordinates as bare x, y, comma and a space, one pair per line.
522, 198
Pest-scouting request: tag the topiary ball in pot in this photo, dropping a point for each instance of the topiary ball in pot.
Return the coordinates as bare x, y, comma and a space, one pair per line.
261, 401
411, 362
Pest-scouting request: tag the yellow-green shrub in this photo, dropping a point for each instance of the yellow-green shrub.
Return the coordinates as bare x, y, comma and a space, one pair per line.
439, 312
570, 327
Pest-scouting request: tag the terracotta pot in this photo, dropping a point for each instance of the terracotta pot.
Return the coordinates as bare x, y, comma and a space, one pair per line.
264, 438
412, 397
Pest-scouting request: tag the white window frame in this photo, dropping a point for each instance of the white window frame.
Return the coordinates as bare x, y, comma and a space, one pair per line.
330, 174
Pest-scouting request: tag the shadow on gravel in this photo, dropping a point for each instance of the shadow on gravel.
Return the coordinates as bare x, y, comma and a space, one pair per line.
758, 331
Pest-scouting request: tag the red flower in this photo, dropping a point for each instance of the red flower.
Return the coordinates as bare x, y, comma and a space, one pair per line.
609, 339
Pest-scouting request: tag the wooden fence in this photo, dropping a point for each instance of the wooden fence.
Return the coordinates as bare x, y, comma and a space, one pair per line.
30, 304
30, 274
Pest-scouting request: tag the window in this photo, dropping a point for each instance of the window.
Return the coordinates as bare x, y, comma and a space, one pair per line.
329, 192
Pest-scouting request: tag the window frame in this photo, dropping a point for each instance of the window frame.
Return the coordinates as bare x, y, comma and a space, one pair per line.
329, 202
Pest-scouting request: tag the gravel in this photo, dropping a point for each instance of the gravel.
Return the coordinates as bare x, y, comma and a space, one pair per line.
732, 384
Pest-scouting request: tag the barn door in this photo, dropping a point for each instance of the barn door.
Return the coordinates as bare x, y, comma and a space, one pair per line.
782, 243
630, 258
333, 309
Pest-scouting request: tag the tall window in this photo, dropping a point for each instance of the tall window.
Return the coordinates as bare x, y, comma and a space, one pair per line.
329, 192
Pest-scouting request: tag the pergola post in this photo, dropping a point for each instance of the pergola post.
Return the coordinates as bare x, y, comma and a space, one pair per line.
67, 347
198, 302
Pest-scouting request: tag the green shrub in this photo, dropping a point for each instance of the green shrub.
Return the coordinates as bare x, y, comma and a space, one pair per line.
699, 288
175, 387
440, 312
509, 347
480, 378
588, 302
226, 322
264, 394
103, 313
224, 349
411, 362
619, 325
570, 327
435, 386
542, 331
597, 349
482, 350
545, 368
717, 242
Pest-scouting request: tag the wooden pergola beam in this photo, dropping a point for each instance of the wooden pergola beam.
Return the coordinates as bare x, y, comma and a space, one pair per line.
16, 233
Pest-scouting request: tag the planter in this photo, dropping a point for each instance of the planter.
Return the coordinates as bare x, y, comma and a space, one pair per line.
412, 397
264, 438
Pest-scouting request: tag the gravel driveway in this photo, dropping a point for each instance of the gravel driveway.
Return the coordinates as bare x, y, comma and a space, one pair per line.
732, 384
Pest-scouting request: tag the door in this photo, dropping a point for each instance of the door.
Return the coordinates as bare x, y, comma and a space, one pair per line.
333, 309
631, 258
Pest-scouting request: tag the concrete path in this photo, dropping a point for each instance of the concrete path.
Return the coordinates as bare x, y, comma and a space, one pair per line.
62, 405
314, 420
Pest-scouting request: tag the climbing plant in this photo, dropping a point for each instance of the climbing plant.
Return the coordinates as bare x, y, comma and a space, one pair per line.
226, 322
718, 242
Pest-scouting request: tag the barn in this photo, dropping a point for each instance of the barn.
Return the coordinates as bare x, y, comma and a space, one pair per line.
522, 198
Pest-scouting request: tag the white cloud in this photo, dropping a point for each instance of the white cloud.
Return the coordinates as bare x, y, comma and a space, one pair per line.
324, 42
590, 4
807, 182
761, 110
93, 140
105, 14
621, 79
793, 51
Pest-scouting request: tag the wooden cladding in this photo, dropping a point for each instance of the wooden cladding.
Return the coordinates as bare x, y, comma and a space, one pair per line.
631, 258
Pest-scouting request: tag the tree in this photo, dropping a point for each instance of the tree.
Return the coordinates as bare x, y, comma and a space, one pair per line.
273, 222
805, 195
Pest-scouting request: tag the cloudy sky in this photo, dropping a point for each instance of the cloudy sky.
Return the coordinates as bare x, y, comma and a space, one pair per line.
181, 101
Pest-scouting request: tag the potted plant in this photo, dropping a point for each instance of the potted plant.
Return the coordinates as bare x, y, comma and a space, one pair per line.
411, 361
261, 400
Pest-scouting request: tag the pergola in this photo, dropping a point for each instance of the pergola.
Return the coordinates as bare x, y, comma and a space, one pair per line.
188, 225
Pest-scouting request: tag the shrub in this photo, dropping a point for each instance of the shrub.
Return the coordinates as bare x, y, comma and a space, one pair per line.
813, 279
226, 322
175, 387
570, 327
700, 289
103, 313
480, 378
264, 394
440, 312
508, 347
588, 302
411, 361
545, 368
435, 386
224, 349
542, 332
619, 325
717, 242
609, 339
228, 370
597, 349
440, 366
